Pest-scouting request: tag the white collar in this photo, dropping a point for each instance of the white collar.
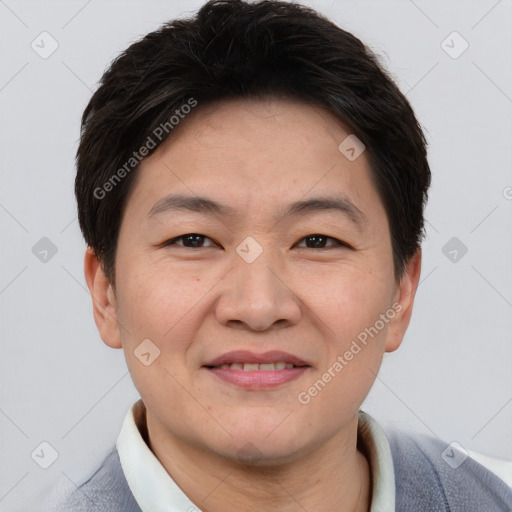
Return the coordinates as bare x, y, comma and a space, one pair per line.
155, 490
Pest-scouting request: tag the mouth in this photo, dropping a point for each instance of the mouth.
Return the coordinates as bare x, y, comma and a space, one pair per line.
257, 371
251, 367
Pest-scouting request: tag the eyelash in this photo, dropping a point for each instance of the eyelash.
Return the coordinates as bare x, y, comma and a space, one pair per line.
338, 243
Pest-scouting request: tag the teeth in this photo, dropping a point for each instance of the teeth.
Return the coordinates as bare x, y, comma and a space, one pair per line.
250, 367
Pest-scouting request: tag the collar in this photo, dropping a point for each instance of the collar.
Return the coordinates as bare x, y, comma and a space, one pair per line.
155, 490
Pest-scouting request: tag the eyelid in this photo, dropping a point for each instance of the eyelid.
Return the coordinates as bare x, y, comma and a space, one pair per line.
337, 242
172, 241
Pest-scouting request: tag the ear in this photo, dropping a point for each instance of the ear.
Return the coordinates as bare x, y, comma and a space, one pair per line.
404, 299
103, 300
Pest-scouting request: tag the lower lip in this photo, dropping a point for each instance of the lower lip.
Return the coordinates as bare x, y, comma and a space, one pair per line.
259, 379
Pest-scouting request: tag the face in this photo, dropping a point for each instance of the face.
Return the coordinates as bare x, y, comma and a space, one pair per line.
285, 260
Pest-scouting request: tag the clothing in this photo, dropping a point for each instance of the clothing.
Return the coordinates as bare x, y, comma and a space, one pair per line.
154, 489
408, 474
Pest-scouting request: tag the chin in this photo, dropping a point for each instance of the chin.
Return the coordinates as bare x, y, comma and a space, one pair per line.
262, 424
263, 443
259, 455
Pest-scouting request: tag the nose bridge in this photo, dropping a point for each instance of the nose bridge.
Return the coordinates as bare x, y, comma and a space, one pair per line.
255, 294
258, 278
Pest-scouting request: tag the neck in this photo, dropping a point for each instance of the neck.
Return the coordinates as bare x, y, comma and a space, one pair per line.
334, 477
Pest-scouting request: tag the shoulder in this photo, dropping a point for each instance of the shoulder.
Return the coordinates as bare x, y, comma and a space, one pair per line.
433, 475
105, 489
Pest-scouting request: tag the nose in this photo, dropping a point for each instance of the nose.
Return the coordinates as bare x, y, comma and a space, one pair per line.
257, 296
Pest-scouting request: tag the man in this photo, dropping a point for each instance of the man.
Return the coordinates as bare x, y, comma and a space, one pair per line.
251, 186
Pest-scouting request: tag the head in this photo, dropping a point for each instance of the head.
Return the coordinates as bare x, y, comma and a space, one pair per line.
280, 146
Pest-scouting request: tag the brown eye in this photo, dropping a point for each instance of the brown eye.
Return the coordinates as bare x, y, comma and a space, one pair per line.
319, 241
190, 241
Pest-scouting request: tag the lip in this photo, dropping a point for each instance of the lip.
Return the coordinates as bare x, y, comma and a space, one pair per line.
245, 356
257, 379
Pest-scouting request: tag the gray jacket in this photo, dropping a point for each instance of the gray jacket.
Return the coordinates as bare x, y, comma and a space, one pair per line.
424, 482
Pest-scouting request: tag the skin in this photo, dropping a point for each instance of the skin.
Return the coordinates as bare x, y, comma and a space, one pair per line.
257, 156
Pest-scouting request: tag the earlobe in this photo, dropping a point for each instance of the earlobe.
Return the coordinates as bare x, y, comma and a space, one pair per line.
405, 293
104, 303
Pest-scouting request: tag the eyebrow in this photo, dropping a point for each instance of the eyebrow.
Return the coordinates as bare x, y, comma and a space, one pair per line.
336, 203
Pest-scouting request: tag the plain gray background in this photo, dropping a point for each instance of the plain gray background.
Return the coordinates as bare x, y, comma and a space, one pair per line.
452, 376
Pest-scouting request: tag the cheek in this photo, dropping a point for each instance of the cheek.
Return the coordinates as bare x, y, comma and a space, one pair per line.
354, 347
157, 301
163, 307
348, 301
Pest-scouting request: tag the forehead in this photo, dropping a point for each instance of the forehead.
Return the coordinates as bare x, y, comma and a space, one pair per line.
265, 117
255, 154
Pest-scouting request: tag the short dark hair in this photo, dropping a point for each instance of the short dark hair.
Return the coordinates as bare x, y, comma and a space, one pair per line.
239, 49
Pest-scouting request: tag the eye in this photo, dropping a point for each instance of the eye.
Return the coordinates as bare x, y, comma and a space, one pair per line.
197, 241
318, 241
190, 241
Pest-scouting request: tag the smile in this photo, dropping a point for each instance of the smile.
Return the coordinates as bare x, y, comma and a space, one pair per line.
257, 371
251, 367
